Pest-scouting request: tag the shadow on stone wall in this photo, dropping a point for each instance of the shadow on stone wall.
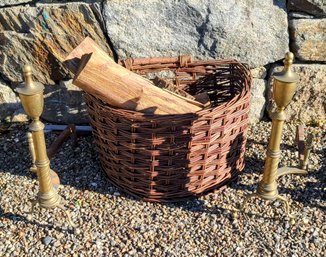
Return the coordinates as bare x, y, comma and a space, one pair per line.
63, 104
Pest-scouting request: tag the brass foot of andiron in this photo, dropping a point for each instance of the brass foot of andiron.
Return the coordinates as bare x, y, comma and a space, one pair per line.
284, 87
31, 96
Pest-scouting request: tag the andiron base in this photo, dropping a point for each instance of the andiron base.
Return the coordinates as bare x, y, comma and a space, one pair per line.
50, 202
270, 193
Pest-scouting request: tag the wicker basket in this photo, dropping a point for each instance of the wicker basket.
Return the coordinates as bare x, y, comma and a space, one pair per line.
173, 157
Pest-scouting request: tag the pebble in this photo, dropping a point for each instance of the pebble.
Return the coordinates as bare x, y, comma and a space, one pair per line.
305, 220
116, 193
47, 240
93, 184
112, 223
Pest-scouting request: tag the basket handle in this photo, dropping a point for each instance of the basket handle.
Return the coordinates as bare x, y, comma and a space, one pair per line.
184, 60
180, 61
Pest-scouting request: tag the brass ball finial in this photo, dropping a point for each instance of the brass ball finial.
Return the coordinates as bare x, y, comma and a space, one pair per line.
27, 68
29, 87
287, 75
289, 56
27, 71
288, 60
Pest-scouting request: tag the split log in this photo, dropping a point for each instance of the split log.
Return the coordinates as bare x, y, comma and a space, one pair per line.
87, 46
100, 76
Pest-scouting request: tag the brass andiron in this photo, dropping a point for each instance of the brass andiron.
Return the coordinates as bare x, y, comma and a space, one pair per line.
31, 96
31, 150
284, 87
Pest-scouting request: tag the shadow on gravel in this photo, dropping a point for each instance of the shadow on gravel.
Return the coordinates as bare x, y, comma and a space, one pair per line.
17, 217
313, 194
198, 206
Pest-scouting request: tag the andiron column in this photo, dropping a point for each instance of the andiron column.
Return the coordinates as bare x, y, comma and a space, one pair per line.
284, 87
31, 96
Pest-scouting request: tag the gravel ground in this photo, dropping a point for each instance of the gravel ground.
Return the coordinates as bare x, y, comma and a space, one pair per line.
115, 224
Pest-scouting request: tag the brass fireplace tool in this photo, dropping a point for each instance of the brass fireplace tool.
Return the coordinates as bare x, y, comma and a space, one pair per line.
284, 87
31, 96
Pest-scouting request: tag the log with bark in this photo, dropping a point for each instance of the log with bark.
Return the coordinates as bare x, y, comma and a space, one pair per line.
99, 75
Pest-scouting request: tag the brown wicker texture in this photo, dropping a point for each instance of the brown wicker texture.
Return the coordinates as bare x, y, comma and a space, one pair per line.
173, 157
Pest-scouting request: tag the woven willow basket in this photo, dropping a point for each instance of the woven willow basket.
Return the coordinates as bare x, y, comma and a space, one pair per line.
173, 157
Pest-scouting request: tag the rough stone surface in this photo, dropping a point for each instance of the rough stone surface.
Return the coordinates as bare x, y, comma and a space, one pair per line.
259, 73
309, 101
9, 102
309, 39
314, 7
64, 1
64, 103
255, 32
13, 2
258, 101
42, 36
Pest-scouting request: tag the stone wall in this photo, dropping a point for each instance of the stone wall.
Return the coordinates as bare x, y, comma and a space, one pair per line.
258, 32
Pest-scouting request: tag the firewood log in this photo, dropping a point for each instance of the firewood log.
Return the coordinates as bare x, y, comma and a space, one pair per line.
100, 76
87, 46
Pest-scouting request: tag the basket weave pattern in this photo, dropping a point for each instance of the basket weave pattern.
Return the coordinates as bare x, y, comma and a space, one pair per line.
173, 157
